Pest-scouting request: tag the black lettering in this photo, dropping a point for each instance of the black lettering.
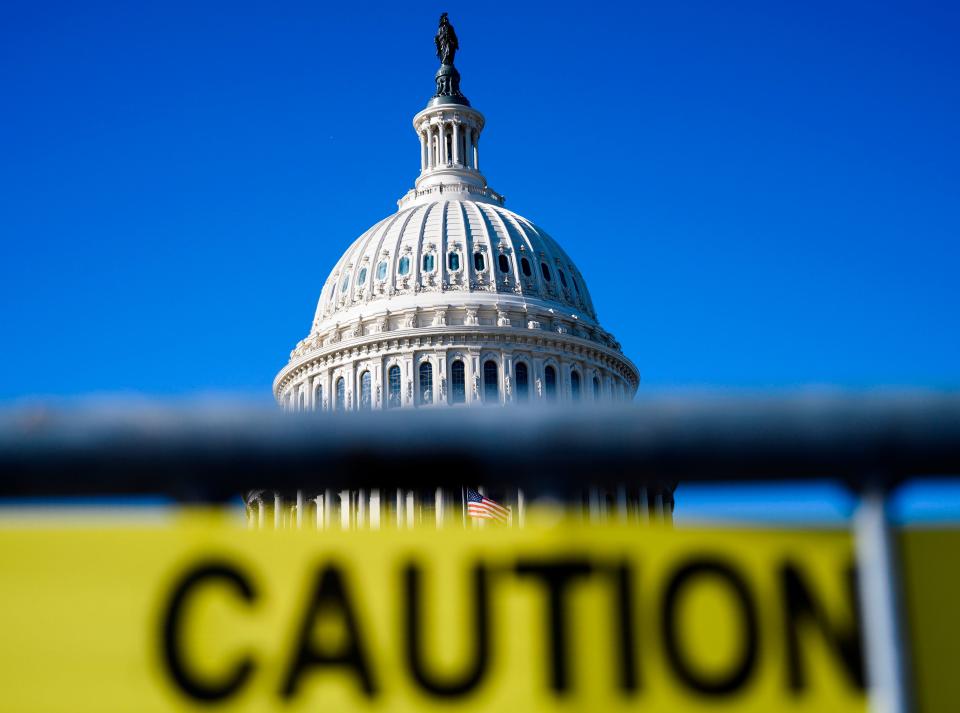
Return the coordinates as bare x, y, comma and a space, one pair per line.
479, 623
739, 673
329, 595
624, 629
206, 574
556, 576
844, 641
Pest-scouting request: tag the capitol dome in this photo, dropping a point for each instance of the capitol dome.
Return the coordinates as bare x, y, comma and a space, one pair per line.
453, 299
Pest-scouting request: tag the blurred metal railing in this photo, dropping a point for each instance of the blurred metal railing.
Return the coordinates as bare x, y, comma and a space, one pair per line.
209, 453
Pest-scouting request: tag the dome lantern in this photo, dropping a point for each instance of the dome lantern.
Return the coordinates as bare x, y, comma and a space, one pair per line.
449, 132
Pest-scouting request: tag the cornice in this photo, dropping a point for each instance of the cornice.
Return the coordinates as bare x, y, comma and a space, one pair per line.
451, 335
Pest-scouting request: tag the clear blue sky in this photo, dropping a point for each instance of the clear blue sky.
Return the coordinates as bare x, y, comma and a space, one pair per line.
759, 194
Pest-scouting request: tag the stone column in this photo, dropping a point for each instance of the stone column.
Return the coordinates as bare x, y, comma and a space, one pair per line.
423, 151
442, 132
506, 377
476, 150
456, 142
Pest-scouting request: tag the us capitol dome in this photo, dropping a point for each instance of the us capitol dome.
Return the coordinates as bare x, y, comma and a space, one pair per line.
453, 300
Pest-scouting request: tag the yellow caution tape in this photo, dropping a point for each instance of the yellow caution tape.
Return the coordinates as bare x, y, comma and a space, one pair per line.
200, 613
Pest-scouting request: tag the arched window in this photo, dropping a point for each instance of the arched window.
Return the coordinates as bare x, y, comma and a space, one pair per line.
428, 262
404, 267
576, 286
345, 284
340, 394
458, 383
563, 278
525, 266
550, 383
575, 385
426, 383
491, 382
523, 382
382, 270
596, 388
362, 277
303, 400
478, 262
504, 263
365, 390
453, 261
393, 386
318, 397
545, 271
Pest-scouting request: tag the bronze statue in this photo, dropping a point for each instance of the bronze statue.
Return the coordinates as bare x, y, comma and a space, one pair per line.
446, 41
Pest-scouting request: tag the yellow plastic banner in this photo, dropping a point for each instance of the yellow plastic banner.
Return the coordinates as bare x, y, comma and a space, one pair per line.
931, 588
200, 613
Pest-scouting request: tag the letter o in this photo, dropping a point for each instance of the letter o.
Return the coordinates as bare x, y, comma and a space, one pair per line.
740, 672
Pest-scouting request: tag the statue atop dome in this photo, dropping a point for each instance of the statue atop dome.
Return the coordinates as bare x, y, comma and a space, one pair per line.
446, 41
448, 78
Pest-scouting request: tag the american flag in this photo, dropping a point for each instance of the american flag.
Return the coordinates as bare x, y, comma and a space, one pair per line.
480, 506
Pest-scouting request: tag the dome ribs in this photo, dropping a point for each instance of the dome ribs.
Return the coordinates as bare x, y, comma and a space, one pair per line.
423, 236
517, 234
504, 238
485, 247
466, 256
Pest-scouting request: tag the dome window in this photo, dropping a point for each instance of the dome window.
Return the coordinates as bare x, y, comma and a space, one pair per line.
525, 266
426, 383
362, 277
453, 262
382, 271
523, 382
404, 267
563, 278
504, 262
345, 284
491, 382
318, 397
365, 391
596, 389
575, 385
428, 262
550, 383
340, 392
393, 385
458, 383
545, 271
478, 262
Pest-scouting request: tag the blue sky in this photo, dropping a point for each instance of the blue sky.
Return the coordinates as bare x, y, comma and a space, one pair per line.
760, 195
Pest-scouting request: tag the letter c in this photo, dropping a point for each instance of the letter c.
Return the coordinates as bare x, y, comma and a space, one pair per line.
172, 625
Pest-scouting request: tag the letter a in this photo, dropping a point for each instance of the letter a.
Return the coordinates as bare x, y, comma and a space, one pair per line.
329, 595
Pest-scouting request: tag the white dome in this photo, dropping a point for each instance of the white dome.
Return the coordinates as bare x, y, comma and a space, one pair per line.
453, 299
458, 248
